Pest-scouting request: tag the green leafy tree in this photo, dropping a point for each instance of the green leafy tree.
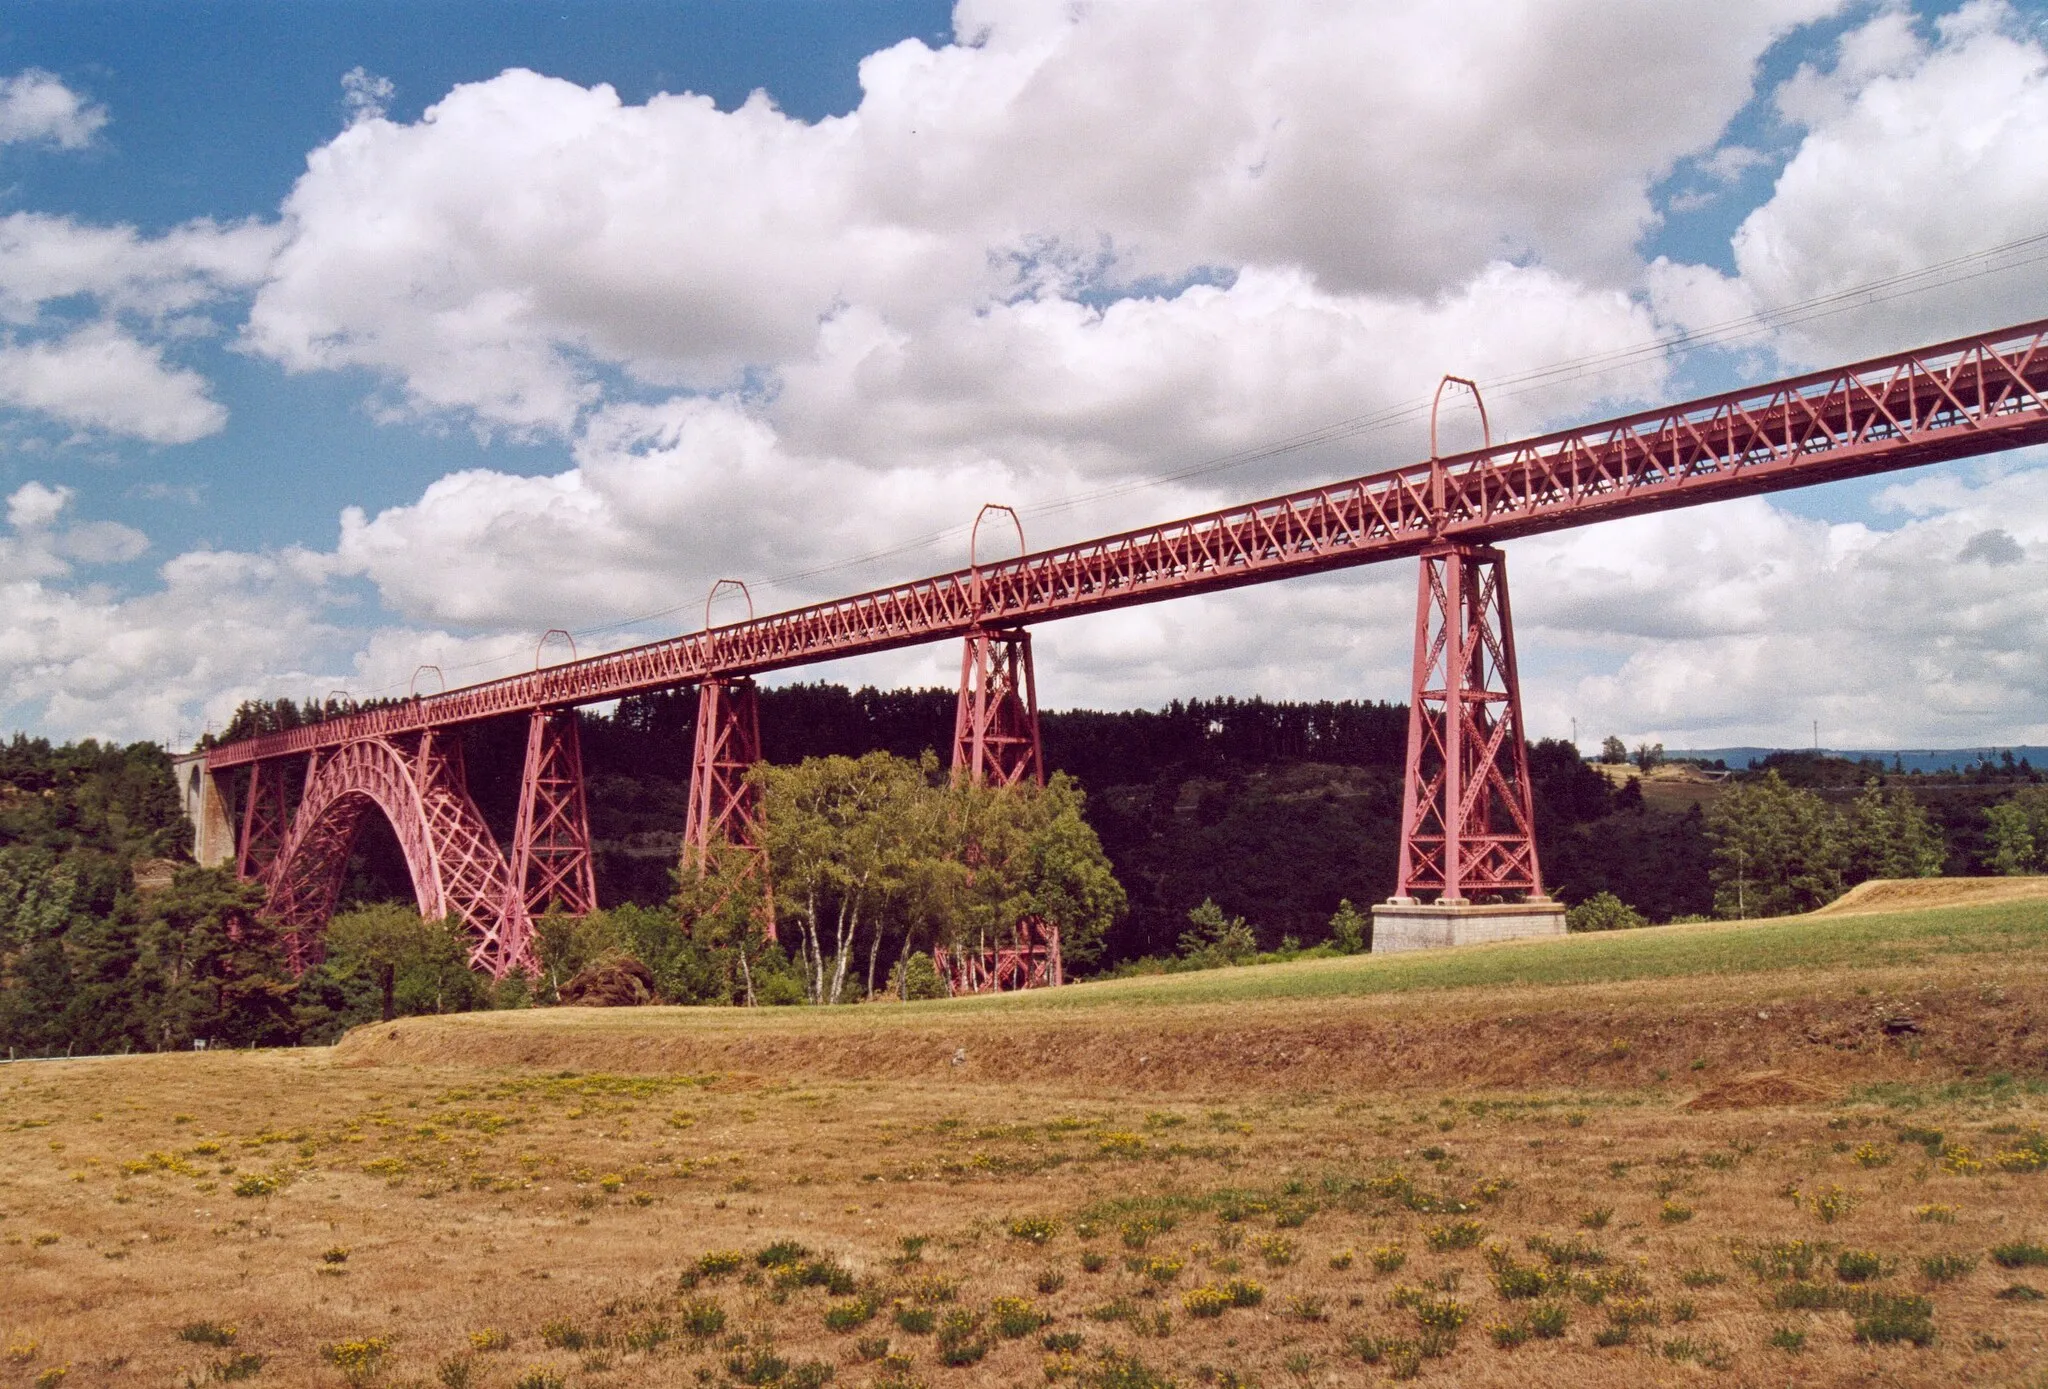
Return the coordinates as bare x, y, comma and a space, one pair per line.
215, 968
1649, 756
1350, 929
416, 966
1777, 849
2018, 832
1214, 937
1613, 751
1889, 835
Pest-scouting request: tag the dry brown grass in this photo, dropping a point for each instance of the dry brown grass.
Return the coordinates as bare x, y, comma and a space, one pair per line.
1909, 894
431, 1187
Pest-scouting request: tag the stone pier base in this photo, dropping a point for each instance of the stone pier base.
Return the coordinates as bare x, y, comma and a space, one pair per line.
1405, 924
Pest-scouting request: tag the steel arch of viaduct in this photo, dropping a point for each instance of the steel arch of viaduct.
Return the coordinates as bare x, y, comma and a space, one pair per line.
454, 861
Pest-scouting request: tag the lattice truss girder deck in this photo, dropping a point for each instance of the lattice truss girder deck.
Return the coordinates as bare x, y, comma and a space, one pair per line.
1957, 399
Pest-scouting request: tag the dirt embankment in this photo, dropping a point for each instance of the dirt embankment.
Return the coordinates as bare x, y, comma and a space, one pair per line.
1919, 1025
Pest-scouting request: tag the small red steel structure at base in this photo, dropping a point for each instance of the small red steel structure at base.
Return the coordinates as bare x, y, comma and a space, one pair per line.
1467, 823
1030, 961
551, 867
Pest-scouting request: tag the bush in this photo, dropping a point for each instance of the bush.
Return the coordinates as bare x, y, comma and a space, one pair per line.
1034, 1229
1016, 1316
1455, 1234
1603, 911
1888, 1320
2020, 1254
1858, 1266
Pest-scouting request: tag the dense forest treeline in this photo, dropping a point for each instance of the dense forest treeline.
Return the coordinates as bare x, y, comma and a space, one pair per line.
1257, 818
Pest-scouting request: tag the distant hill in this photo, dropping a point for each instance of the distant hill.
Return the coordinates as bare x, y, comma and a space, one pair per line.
1913, 759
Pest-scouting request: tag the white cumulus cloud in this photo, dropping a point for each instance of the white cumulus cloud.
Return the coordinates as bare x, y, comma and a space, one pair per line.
37, 106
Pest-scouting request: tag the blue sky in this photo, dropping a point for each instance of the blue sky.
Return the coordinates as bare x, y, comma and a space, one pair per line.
302, 386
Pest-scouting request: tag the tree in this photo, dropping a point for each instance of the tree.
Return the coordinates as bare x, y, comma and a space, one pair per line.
1217, 938
417, 966
214, 968
2018, 832
2013, 848
1350, 929
1777, 849
1891, 836
1649, 756
1613, 751
843, 837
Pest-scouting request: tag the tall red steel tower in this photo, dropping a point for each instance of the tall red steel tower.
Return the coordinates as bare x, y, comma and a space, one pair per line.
995, 725
725, 807
1467, 824
551, 868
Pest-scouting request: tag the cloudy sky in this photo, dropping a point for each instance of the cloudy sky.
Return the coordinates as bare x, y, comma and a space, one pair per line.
337, 339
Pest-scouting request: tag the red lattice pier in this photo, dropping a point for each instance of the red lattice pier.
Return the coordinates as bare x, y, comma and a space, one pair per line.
1467, 829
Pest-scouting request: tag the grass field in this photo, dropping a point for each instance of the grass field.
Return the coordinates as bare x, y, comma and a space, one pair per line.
1793, 1152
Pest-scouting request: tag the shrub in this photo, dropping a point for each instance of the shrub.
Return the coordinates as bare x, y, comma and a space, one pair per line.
760, 1366
207, 1333
490, 1338
1051, 1281
260, 1184
2020, 1254
1596, 1217
850, 1315
1890, 1319
1508, 1335
1093, 1262
539, 1377
1456, 1234
2021, 1292
1788, 1340
1034, 1229
961, 1340
1061, 1342
1114, 1370
782, 1254
1673, 1213
719, 1263
1277, 1250
1015, 1317
1946, 1268
1935, 1215
563, 1334
1549, 1320
702, 1318
1244, 1293
918, 1321
1205, 1302
1831, 1203
1304, 1308
247, 1365
1858, 1266
1388, 1258
357, 1360
1603, 911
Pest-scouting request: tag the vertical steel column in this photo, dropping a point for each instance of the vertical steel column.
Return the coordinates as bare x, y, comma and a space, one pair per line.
1467, 819
724, 806
551, 844
995, 728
